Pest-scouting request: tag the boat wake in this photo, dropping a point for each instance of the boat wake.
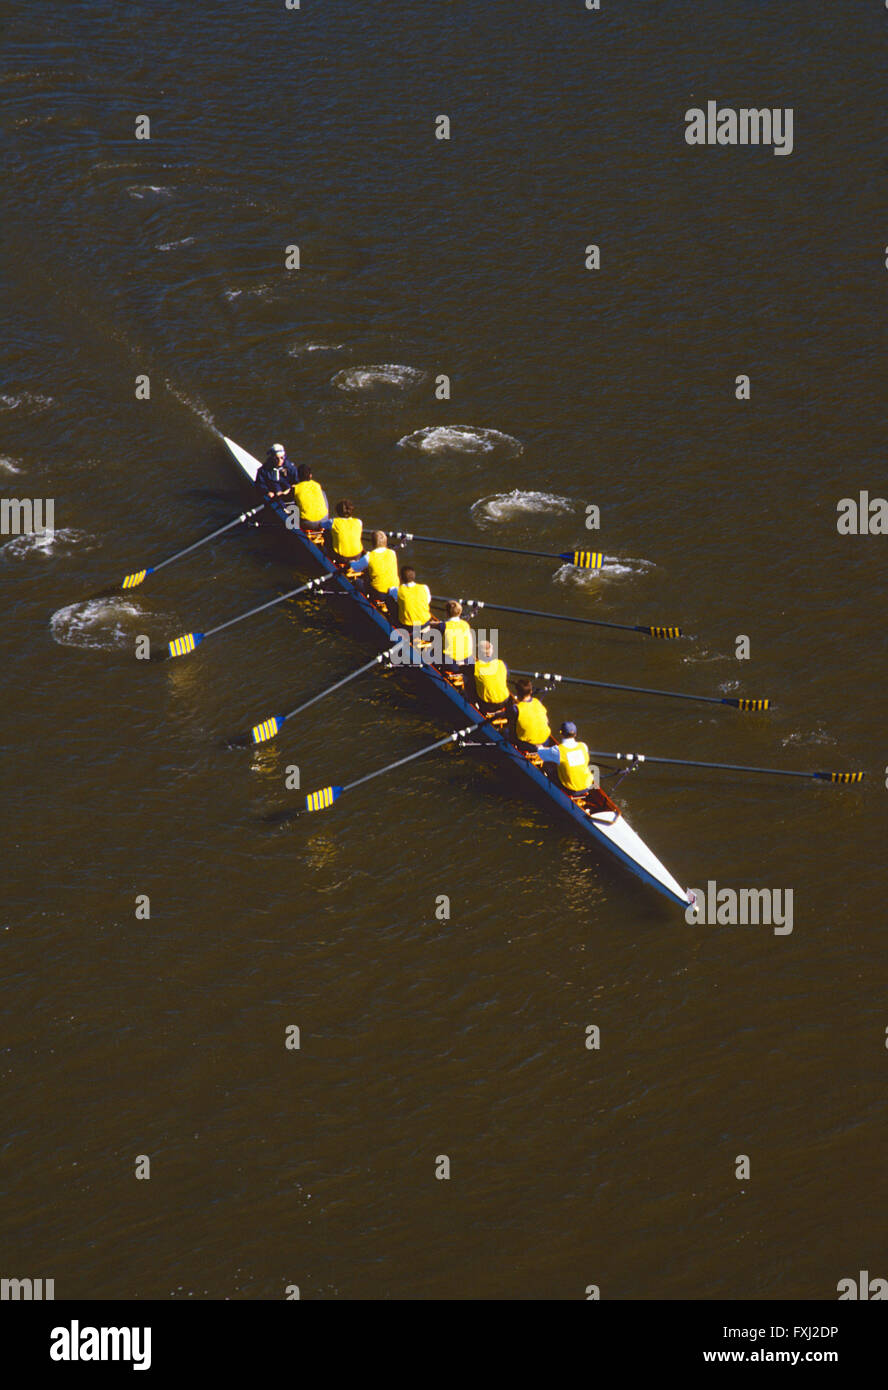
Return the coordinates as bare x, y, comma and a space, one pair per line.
49, 544
196, 407
95, 623
385, 378
506, 506
10, 466
442, 440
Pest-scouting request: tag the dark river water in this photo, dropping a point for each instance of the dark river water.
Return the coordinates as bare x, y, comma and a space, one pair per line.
421, 1035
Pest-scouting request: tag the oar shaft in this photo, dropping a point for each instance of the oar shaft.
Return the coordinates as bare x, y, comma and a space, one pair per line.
641, 758
353, 675
312, 584
430, 748
533, 613
244, 516
611, 685
408, 536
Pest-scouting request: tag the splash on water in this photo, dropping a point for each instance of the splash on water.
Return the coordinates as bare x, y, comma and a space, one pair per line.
385, 377
10, 466
441, 440
95, 623
174, 245
146, 190
808, 738
49, 544
613, 567
30, 400
506, 506
300, 349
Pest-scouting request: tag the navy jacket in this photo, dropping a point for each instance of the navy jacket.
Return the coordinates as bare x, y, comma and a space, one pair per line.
274, 477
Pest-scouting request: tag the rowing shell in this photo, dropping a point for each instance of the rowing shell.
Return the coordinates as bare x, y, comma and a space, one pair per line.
605, 824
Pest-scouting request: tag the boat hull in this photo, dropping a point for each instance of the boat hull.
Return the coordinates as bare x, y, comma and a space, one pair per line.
613, 834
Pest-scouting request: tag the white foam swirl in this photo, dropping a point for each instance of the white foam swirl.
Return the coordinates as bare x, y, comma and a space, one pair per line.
384, 376
95, 623
461, 439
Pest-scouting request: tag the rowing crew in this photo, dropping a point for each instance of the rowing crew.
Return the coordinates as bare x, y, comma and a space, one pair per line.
377, 571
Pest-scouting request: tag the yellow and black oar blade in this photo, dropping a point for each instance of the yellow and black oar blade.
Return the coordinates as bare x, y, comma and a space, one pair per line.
320, 800
749, 706
583, 559
180, 646
839, 776
132, 581
666, 632
268, 728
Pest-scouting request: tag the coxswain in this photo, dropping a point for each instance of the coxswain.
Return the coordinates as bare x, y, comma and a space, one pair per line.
314, 513
458, 640
490, 675
345, 537
530, 722
413, 600
571, 759
382, 569
277, 475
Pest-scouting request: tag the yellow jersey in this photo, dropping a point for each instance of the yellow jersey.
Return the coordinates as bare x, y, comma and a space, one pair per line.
382, 568
490, 682
346, 537
413, 604
532, 722
457, 640
573, 765
310, 500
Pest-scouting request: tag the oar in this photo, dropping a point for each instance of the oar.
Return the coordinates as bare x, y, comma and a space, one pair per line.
269, 728
320, 800
740, 702
478, 604
181, 646
132, 581
636, 759
583, 559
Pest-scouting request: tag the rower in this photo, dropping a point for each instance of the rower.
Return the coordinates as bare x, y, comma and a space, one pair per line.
413, 600
314, 513
382, 570
345, 537
529, 719
458, 640
491, 691
277, 475
571, 759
